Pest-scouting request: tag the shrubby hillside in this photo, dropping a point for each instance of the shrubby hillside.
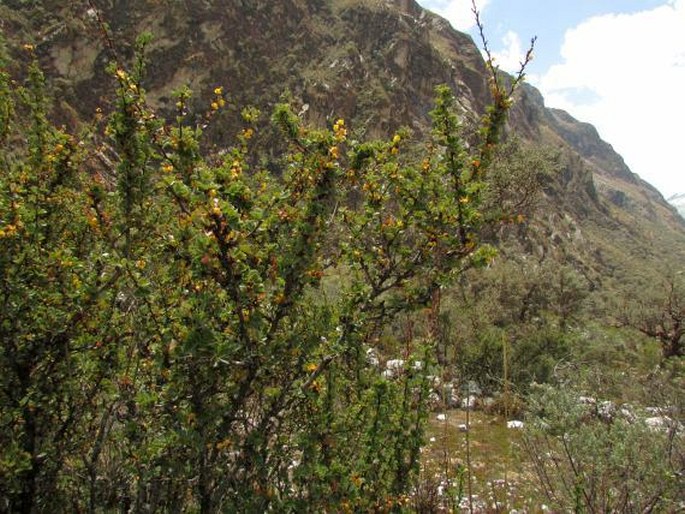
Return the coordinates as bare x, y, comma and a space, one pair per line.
247, 247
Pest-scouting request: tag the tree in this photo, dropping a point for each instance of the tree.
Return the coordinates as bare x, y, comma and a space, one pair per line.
661, 318
188, 331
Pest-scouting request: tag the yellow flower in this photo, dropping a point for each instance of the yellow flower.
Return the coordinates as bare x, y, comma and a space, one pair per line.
218, 91
215, 106
9, 230
396, 139
167, 167
334, 151
340, 130
311, 367
248, 133
236, 169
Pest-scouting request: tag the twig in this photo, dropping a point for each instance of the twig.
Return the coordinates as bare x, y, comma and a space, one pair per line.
104, 31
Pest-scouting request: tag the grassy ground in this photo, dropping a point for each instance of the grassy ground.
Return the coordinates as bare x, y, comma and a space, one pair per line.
500, 479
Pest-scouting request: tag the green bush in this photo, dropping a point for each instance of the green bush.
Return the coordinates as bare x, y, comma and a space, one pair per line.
590, 455
168, 339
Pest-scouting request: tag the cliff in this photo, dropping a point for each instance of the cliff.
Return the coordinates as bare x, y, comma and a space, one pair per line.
375, 63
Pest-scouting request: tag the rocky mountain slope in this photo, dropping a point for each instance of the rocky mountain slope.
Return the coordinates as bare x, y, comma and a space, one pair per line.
375, 63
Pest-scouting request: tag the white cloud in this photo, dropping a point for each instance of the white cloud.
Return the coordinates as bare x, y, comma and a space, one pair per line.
510, 57
625, 74
458, 12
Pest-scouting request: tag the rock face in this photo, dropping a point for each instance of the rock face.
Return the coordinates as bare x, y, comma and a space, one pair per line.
374, 62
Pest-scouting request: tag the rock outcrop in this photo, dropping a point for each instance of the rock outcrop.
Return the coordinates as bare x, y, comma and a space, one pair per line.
374, 62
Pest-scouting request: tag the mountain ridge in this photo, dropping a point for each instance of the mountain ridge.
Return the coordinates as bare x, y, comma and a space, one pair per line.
375, 63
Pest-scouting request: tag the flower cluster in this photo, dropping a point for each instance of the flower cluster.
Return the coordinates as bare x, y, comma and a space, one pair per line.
339, 130
395, 144
218, 102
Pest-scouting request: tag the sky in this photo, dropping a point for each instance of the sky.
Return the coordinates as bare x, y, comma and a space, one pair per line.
618, 64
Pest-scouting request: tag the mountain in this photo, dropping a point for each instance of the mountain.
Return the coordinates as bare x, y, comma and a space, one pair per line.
375, 63
203, 339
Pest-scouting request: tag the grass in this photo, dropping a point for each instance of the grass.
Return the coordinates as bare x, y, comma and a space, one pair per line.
501, 479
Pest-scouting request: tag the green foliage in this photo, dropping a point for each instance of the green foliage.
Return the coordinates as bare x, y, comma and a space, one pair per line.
660, 315
515, 181
519, 314
168, 339
591, 456
53, 283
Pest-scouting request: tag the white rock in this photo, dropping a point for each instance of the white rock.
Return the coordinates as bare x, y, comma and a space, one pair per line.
393, 368
372, 358
434, 401
658, 423
515, 424
394, 364
606, 410
627, 413
441, 417
469, 402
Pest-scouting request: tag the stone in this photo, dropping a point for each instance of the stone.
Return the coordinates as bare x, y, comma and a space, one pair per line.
659, 423
469, 402
393, 368
372, 358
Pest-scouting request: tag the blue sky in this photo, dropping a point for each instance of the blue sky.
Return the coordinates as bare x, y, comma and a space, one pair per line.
548, 20
618, 64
